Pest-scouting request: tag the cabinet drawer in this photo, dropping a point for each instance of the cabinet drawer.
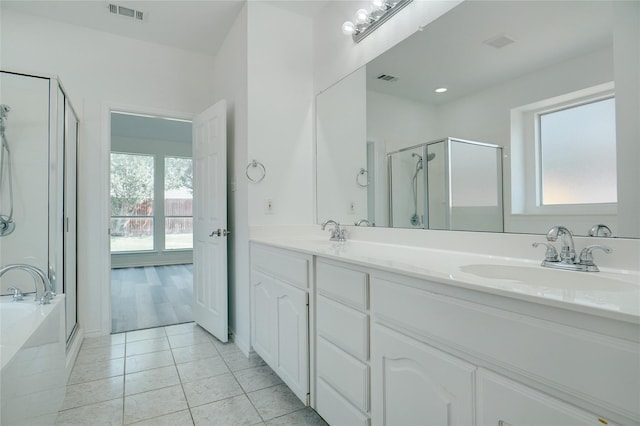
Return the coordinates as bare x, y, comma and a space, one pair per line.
343, 326
335, 409
346, 374
343, 284
555, 354
289, 267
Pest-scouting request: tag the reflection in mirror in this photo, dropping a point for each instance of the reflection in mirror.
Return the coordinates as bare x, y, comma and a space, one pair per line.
451, 184
523, 77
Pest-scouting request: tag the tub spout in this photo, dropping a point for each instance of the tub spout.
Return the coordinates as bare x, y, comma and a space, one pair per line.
37, 275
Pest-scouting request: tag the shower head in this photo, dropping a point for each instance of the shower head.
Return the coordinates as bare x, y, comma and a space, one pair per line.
430, 156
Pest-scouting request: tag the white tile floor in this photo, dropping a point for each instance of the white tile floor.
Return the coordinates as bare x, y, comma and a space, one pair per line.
176, 375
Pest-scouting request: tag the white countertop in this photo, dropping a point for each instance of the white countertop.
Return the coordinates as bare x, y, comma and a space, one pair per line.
610, 294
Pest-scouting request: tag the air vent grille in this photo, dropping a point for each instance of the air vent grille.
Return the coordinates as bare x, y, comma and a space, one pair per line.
126, 12
499, 41
387, 77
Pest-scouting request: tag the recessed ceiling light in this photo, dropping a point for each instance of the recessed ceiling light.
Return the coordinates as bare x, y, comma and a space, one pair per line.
441, 90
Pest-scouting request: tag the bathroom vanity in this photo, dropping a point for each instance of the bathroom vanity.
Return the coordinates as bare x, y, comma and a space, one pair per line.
413, 335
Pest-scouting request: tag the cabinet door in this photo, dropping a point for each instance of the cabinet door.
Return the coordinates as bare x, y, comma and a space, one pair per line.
292, 350
503, 402
263, 299
415, 384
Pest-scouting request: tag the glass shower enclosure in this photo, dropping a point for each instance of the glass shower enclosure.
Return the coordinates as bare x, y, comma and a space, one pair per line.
448, 184
38, 184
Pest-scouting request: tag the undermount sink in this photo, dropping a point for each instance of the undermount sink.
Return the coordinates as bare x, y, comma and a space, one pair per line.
551, 278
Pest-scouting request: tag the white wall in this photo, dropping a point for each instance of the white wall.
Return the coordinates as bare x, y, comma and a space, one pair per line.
101, 70
281, 114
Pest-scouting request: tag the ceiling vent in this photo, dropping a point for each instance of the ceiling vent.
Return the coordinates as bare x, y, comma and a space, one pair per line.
387, 77
499, 41
126, 12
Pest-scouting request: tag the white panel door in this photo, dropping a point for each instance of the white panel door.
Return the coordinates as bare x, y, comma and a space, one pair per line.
415, 384
210, 308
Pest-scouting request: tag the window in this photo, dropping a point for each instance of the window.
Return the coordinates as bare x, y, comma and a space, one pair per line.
178, 203
131, 202
563, 154
577, 159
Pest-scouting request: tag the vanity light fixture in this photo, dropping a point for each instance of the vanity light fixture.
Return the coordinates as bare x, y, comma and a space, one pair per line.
367, 20
441, 89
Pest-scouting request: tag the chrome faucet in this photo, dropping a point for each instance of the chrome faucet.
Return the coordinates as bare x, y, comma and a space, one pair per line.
47, 287
337, 233
362, 222
568, 252
600, 230
567, 257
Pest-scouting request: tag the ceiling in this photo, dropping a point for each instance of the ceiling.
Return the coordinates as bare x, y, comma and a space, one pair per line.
450, 52
200, 26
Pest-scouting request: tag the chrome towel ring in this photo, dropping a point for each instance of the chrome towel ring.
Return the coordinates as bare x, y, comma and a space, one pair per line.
365, 173
261, 170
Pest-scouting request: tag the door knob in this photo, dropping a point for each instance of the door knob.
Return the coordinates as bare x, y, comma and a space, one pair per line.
220, 233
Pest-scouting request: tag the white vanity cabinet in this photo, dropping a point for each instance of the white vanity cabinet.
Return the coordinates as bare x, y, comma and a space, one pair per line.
280, 282
394, 348
435, 357
342, 347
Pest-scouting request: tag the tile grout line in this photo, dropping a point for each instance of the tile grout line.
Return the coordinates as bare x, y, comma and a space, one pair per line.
175, 365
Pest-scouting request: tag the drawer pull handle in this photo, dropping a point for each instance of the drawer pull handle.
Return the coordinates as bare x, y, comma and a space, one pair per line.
603, 421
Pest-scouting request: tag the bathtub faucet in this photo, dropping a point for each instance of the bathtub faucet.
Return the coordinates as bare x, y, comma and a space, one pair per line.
36, 273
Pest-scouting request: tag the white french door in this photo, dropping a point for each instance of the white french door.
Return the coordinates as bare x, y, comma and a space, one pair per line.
210, 307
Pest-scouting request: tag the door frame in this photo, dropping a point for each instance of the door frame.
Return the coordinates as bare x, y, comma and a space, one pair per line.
103, 275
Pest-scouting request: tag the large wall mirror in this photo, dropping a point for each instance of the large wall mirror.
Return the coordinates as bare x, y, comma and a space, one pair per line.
498, 116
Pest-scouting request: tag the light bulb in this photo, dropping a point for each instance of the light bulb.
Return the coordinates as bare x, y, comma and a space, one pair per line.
362, 16
441, 90
380, 4
348, 28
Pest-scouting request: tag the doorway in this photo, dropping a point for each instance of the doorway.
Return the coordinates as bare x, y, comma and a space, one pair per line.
151, 221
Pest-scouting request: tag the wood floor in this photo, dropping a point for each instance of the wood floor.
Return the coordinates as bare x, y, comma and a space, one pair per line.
151, 296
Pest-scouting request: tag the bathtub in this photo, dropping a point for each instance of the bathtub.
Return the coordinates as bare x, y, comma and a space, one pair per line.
32, 354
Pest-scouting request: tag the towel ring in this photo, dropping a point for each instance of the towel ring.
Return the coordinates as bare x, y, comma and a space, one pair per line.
263, 172
365, 173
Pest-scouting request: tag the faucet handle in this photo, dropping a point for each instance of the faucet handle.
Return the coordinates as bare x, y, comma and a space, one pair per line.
17, 294
586, 256
551, 255
46, 297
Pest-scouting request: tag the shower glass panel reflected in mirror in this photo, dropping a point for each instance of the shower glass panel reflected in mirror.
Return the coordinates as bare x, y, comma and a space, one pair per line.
451, 184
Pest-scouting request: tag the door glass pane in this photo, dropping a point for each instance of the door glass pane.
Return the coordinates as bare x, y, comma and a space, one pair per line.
178, 203
578, 154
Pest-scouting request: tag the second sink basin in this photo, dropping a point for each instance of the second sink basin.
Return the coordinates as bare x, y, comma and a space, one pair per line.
565, 280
